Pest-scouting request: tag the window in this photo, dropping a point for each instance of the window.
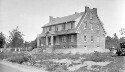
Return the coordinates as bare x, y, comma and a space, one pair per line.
72, 25
64, 46
56, 27
72, 38
64, 26
98, 39
97, 27
91, 26
92, 39
50, 28
63, 38
91, 15
85, 26
69, 25
84, 38
84, 46
57, 40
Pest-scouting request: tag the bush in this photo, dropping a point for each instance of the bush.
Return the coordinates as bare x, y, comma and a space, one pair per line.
5, 55
19, 58
99, 57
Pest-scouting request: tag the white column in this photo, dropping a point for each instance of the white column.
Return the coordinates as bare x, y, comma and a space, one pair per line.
51, 40
46, 40
38, 42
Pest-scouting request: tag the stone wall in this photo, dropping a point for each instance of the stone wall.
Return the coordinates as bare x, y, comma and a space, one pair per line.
92, 22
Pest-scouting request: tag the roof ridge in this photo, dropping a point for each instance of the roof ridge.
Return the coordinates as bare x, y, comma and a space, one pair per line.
69, 15
63, 19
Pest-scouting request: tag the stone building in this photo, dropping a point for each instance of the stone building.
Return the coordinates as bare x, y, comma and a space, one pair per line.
79, 30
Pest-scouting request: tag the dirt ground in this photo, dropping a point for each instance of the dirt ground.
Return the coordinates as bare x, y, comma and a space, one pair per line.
118, 65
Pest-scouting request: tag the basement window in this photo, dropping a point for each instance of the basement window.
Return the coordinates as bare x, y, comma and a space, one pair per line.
64, 46
84, 46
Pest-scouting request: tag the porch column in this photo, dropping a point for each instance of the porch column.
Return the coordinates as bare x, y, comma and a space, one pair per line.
38, 42
51, 40
46, 40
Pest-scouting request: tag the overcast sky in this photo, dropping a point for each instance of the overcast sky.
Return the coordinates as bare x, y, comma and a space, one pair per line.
31, 15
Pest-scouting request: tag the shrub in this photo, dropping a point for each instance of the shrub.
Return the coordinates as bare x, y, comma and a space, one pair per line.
19, 58
99, 57
5, 55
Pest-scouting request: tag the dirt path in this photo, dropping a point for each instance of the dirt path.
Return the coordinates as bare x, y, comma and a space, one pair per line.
20, 68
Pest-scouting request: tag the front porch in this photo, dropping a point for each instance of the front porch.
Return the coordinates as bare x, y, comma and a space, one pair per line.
57, 41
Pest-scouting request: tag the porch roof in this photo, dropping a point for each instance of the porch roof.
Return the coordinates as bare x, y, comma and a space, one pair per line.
55, 33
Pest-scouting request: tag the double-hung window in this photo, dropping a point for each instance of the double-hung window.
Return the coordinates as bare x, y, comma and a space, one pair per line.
92, 38
85, 26
85, 39
63, 38
72, 38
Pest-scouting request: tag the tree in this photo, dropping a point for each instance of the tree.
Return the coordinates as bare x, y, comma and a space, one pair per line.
16, 38
33, 44
116, 41
2, 40
122, 31
26, 44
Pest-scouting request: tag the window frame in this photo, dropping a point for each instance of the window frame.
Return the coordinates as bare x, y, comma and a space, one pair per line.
98, 27
85, 38
92, 38
85, 25
63, 38
98, 38
72, 38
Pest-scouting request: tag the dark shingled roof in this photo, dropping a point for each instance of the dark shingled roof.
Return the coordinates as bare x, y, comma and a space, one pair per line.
59, 20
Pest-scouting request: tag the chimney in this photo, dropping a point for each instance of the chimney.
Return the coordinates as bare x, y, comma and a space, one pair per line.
86, 8
95, 10
51, 18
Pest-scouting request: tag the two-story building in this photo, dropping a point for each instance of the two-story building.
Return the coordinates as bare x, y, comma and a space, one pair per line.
79, 30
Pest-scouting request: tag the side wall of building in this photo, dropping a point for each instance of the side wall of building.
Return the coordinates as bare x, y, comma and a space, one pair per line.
90, 30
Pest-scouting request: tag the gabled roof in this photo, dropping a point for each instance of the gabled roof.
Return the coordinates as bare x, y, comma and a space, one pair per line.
59, 20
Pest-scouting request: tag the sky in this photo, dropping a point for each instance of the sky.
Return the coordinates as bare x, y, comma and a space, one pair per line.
31, 15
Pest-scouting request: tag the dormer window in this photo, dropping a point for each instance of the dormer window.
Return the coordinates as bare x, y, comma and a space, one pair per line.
85, 26
72, 25
63, 26
50, 28
56, 27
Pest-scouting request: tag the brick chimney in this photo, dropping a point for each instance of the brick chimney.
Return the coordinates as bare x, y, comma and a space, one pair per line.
86, 8
95, 10
51, 18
